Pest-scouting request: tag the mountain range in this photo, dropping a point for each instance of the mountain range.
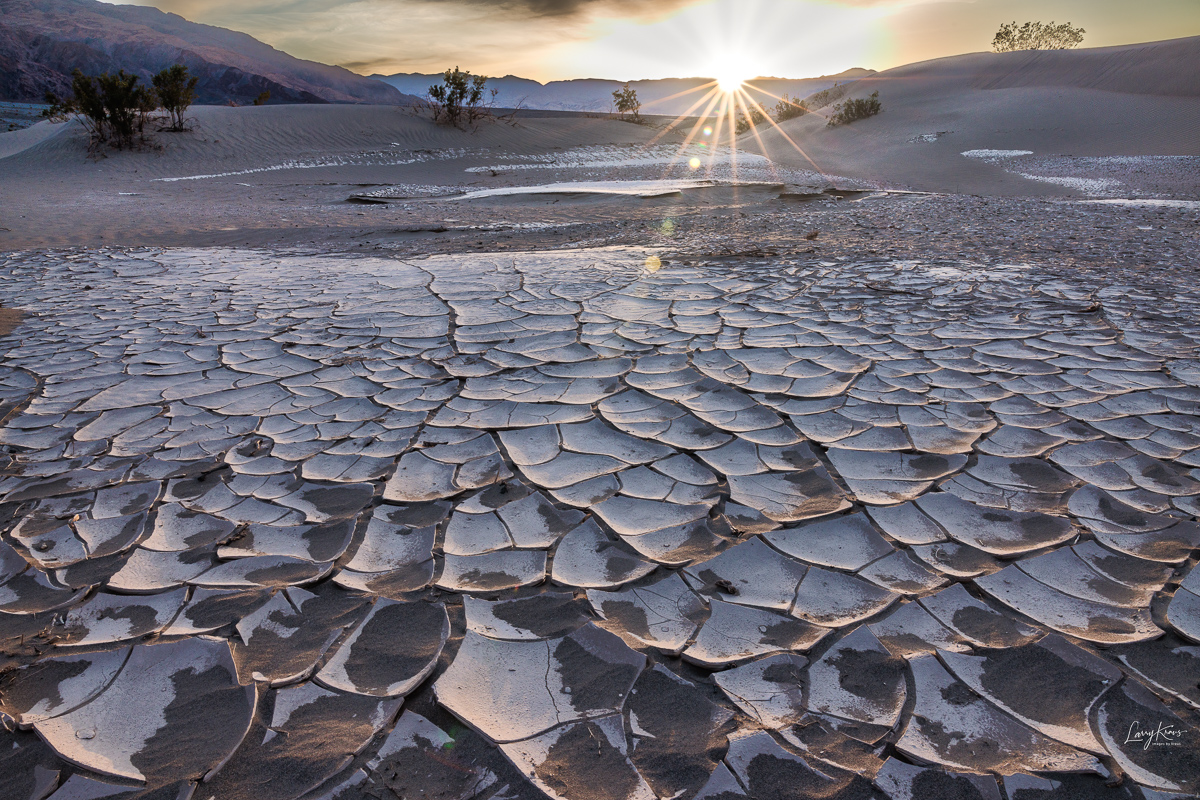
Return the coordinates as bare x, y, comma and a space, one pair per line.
42, 41
665, 96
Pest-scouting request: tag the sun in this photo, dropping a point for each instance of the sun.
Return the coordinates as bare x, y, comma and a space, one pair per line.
730, 80
732, 70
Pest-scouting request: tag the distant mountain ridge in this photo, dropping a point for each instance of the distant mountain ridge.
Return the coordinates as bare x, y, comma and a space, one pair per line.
42, 41
661, 96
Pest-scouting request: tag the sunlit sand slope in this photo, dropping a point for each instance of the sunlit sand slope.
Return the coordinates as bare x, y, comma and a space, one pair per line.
1135, 100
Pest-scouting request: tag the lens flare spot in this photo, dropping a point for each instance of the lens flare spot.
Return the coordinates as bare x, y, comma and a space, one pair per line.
708, 130
694, 163
653, 263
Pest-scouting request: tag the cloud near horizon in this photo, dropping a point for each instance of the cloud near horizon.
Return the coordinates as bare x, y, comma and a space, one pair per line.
629, 39
197, 9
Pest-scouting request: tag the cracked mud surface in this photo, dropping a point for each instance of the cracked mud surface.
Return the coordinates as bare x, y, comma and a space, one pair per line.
745, 515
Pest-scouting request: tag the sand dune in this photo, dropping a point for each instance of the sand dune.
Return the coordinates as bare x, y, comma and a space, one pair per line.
237, 164
227, 140
1136, 100
1168, 68
14, 142
260, 168
1140, 100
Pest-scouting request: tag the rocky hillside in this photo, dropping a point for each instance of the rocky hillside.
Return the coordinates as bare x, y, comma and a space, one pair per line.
42, 41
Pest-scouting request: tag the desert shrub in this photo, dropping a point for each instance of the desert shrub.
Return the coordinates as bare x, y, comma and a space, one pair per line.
460, 98
1037, 36
790, 108
263, 98
747, 120
176, 91
83, 104
127, 105
113, 108
626, 101
855, 109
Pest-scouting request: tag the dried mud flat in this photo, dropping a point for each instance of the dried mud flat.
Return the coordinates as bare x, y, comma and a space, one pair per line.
713, 511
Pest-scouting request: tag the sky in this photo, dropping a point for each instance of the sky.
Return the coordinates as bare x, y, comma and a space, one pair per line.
635, 39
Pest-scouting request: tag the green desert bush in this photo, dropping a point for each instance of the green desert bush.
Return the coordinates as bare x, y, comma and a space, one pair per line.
113, 108
128, 106
855, 109
176, 92
745, 121
1037, 36
461, 98
790, 108
626, 101
116, 109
